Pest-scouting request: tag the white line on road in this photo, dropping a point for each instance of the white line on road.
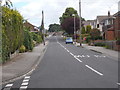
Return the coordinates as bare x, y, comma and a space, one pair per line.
24, 83
9, 85
23, 87
71, 54
118, 84
26, 80
27, 77
68, 51
94, 70
77, 59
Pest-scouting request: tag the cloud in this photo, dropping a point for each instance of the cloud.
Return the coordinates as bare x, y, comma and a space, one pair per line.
53, 9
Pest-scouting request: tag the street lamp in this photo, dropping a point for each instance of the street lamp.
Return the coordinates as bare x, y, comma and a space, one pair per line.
74, 28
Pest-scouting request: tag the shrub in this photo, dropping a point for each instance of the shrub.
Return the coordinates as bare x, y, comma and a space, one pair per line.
37, 38
99, 44
12, 32
88, 39
22, 49
28, 40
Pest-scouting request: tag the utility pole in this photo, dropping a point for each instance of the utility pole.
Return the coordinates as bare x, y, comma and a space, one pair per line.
42, 25
80, 20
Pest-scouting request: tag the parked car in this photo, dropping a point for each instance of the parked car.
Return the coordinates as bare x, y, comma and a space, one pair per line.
69, 40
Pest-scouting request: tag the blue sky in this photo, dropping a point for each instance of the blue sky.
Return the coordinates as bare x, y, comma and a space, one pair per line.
53, 9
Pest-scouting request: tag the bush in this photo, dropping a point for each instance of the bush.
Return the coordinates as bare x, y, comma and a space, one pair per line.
12, 32
22, 49
37, 38
99, 44
88, 39
28, 40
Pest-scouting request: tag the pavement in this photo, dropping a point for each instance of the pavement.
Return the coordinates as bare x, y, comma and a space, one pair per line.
108, 52
22, 64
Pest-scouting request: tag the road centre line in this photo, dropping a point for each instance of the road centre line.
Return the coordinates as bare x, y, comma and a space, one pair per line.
94, 70
77, 59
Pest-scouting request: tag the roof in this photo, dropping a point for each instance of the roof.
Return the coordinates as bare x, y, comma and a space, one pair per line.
117, 14
101, 18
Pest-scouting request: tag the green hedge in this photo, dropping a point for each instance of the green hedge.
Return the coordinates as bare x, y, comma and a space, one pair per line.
12, 32
28, 40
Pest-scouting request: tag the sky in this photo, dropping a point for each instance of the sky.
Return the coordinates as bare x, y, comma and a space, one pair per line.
31, 10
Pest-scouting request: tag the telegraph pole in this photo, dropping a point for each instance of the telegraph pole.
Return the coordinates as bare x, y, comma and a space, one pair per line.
80, 20
43, 31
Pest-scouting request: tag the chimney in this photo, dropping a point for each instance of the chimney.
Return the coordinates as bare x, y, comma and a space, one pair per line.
108, 13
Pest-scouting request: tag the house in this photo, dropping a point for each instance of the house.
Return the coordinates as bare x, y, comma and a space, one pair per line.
111, 27
89, 22
31, 27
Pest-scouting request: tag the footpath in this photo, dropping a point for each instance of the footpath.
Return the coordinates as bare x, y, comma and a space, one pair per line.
110, 53
22, 64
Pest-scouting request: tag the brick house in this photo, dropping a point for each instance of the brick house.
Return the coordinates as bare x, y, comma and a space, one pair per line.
31, 27
111, 27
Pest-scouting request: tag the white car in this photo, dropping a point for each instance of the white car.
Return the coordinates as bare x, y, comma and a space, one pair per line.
69, 40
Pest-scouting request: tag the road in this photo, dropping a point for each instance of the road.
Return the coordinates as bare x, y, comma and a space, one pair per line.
69, 66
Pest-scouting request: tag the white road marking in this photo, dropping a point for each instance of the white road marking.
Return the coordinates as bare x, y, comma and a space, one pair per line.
94, 70
9, 85
88, 56
77, 59
23, 87
68, 51
71, 54
26, 80
27, 77
118, 84
24, 83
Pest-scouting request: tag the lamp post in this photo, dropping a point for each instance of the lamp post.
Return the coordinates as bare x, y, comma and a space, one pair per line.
74, 28
80, 20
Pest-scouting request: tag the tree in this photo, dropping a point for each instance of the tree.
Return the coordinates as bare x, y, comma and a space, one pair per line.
68, 25
83, 30
67, 20
54, 27
88, 29
94, 33
68, 13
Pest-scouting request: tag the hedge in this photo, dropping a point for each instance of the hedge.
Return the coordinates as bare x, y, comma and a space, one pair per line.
12, 32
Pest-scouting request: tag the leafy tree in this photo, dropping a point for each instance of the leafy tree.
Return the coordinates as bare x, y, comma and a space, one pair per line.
67, 20
94, 33
83, 30
88, 29
68, 13
54, 27
68, 25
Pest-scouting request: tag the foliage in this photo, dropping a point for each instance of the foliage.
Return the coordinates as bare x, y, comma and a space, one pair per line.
22, 49
67, 20
28, 40
88, 38
54, 28
94, 33
68, 25
12, 31
68, 13
100, 44
36, 37
83, 30
88, 29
